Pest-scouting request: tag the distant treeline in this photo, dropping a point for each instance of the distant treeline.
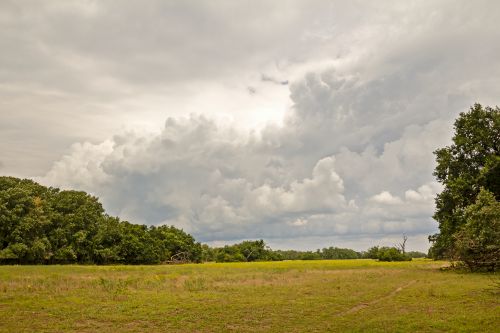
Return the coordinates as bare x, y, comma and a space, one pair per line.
258, 251
44, 225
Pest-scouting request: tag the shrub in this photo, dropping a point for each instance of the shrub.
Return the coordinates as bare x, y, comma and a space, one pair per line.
477, 243
391, 254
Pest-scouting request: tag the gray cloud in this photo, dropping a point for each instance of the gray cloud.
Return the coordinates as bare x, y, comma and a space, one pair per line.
268, 78
344, 163
371, 90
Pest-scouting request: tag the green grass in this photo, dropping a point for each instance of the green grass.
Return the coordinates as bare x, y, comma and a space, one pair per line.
293, 296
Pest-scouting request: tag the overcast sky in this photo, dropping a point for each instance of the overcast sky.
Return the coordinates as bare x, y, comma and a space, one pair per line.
304, 123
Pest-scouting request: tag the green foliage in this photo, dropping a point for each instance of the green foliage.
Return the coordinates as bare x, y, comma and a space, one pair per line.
339, 253
391, 254
258, 251
207, 253
293, 254
472, 162
275, 255
244, 251
416, 254
40, 225
372, 253
309, 255
477, 242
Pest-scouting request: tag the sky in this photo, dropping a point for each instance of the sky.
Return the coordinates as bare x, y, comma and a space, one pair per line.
307, 124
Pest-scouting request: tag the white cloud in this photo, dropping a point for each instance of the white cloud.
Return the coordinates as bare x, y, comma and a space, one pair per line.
83, 168
322, 192
298, 222
386, 198
424, 193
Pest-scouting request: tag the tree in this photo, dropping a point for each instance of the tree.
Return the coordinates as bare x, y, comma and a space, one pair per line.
416, 254
470, 163
207, 253
244, 251
339, 253
253, 250
478, 240
402, 245
391, 254
175, 241
372, 253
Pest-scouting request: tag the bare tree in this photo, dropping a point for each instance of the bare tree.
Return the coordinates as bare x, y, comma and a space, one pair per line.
402, 245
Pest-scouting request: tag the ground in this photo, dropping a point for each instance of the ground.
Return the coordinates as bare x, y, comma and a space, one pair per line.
290, 296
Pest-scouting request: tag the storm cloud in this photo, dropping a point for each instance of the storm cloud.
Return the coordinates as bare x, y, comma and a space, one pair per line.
148, 107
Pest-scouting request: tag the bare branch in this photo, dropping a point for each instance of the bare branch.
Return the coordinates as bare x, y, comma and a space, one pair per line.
402, 246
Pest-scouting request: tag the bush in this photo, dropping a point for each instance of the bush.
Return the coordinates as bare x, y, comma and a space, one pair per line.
477, 243
416, 254
391, 254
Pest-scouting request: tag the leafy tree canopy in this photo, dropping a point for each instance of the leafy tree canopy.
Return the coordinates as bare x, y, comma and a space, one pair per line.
470, 164
477, 242
46, 225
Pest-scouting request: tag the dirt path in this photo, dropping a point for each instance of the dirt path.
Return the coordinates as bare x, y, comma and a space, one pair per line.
377, 300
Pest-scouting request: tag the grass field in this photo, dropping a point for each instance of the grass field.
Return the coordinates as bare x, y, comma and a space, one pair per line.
294, 296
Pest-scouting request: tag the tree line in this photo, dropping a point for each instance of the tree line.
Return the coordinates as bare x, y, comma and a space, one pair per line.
258, 251
43, 225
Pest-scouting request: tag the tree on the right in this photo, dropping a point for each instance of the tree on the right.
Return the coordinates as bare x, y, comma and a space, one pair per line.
466, 168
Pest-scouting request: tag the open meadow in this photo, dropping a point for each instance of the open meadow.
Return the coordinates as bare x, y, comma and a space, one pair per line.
290, 296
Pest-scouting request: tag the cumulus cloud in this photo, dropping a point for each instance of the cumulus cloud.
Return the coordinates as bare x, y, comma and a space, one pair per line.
307, 178
386, 198
350, 100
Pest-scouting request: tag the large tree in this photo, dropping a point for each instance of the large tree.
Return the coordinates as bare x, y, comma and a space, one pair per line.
469, 164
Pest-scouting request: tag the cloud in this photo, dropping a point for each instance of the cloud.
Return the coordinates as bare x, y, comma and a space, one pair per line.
386, 198
268, 78
83, 168
298, 222
307, 178
306, 122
